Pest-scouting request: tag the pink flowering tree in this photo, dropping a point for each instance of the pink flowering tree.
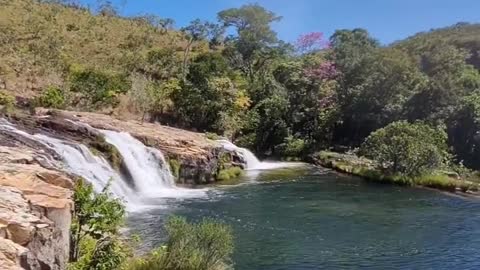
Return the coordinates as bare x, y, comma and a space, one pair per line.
310, 42
323, 71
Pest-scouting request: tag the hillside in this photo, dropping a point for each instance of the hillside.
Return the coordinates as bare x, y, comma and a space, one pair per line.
40, 43
463, 35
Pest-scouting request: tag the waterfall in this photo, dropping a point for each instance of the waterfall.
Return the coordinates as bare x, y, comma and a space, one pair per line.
148, 172
147, 166
252, 162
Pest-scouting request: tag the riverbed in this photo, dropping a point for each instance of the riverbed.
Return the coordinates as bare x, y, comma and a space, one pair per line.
308, 218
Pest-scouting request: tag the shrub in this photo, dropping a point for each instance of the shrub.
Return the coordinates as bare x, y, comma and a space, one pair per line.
109, 151
212, 136
97, 87
207, 245
230, 173
174, 167
407, 149
7, 101
52, 97
97, 218
292, 147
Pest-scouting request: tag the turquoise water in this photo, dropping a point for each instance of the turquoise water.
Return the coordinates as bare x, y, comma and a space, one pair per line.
305, 219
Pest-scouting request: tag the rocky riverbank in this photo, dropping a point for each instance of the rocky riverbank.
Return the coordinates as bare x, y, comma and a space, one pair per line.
35, 211
36, 193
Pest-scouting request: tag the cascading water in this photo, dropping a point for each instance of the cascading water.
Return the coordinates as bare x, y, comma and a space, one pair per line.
147, 166
150, 176
252, 162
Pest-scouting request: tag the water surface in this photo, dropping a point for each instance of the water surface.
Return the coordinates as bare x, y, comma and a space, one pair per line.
306, 219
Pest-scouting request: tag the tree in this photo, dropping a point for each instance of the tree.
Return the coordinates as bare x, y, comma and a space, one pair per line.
311, 42
464, 131
311, 98
97, 218
106, 8
207, 91
450, 79
407, 149
253, 46
195, 31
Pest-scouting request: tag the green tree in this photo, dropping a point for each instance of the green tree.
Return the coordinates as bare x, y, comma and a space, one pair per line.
94, 240
97, 88
253, 48
195, 31
407, 149
464, 131
208, 91
450, 79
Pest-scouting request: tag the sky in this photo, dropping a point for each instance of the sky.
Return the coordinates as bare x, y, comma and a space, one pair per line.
386, 20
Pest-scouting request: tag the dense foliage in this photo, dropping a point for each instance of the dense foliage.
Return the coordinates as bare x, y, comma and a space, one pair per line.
408, 149
206, 245
95, 238
279, 99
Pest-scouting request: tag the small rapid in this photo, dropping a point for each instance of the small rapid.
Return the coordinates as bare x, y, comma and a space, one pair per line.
252, 162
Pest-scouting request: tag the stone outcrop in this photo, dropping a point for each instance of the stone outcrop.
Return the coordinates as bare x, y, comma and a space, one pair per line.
35, 212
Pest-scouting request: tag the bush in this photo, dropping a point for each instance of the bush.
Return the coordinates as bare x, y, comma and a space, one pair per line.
97, 218
109, 151
97, 87
7, 101
212, 136
207, 245
52, 97
230, 173
291, 148
174, 167
407, 149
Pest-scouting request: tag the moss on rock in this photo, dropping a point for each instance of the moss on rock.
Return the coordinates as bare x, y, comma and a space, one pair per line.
109, 151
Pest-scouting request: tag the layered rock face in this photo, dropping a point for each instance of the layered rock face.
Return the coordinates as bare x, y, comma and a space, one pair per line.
35, 212
198, 157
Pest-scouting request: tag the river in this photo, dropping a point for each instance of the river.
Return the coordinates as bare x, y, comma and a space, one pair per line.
303, 218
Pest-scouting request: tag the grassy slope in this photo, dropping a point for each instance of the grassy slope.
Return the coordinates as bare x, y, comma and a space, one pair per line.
38, 42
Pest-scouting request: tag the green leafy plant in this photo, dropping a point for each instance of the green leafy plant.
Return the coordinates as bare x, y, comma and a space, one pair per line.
98, 87
229, 173
175, 167
52, 97
95, 241
7, 101
206, 245
407, 149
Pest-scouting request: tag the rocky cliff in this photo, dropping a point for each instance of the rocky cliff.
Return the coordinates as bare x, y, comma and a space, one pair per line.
35, 212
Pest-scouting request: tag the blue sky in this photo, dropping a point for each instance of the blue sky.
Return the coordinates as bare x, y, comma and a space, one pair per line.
387, 20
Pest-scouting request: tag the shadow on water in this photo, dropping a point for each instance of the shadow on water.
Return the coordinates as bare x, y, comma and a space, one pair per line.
305, 218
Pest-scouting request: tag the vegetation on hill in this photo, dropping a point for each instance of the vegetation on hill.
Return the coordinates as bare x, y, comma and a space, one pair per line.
276, 98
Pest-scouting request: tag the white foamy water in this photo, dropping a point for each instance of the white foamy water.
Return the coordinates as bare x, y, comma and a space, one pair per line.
252, 162
149, 177
147, 166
